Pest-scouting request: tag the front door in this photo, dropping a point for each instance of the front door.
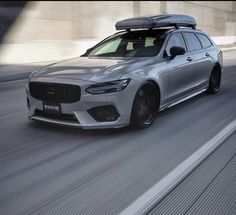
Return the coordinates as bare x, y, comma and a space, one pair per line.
181, 70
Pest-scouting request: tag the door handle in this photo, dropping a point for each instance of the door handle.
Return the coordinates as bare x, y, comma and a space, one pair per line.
207, 54
189, 59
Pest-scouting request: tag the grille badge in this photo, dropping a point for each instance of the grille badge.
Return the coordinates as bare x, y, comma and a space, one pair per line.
51, 91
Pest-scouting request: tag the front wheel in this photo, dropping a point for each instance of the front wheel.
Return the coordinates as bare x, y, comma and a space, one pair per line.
144, 107
214, 82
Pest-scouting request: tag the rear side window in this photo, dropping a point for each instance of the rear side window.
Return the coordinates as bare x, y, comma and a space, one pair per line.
175, 40
204, 40
193, 42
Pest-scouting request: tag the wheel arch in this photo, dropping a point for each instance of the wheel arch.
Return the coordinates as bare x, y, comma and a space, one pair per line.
157, 90
155, 87
216, 67
211, 85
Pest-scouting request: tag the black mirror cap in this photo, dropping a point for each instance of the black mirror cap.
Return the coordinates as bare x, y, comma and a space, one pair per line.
177, 50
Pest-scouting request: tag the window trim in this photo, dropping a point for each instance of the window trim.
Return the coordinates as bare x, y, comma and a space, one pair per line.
186, 45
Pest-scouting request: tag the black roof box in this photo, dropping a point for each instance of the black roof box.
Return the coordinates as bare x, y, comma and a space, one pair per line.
166, 20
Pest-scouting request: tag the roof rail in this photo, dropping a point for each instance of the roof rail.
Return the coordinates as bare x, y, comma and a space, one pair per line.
175, 20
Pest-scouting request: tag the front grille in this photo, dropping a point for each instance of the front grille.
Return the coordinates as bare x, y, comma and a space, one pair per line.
55, 92
62, 116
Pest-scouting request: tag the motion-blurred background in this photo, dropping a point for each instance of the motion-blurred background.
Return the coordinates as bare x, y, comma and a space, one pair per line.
43, 31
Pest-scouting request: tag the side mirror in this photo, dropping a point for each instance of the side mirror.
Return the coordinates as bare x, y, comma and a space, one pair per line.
176, 50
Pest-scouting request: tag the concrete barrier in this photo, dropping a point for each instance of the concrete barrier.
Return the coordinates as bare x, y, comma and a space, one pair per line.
43, 51
224, 40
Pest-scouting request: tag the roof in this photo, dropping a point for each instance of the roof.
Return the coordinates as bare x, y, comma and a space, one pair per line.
156, 22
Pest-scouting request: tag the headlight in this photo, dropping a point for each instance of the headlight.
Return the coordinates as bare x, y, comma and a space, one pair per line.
108, 87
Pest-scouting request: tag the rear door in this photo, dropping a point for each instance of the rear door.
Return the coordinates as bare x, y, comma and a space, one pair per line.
205, 65
203, 61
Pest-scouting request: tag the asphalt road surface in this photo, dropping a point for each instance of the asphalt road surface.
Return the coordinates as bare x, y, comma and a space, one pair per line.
47, 169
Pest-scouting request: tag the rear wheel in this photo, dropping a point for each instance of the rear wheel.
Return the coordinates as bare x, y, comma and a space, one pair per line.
144, 108
214, 82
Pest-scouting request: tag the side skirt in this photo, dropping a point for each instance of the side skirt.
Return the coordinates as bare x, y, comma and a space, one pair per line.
181, 99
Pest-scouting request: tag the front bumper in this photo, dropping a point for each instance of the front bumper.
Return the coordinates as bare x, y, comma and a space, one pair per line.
122, 101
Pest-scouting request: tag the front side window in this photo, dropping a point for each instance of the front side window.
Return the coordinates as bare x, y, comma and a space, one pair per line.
130, 44
175, 40
193, 42
204, 40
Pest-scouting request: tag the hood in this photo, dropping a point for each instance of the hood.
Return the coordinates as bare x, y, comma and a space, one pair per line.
92, 68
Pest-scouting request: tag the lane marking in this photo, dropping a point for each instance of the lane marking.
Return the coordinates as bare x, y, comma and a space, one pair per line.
151, 197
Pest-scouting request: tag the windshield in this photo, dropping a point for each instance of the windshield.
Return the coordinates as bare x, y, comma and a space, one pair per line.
130, 44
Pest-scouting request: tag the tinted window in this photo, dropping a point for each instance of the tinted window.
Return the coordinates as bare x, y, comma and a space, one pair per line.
193, 42
175, 40
204, 40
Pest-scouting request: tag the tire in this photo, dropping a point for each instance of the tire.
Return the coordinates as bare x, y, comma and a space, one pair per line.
214, 82
144, 108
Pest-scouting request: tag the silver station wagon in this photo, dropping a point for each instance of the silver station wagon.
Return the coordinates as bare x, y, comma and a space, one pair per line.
152, 63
